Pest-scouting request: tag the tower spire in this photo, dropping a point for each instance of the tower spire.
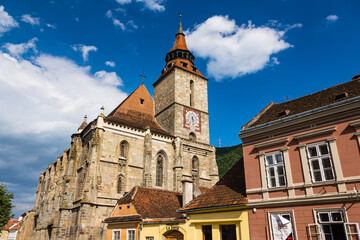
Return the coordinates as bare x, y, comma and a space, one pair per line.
180, 29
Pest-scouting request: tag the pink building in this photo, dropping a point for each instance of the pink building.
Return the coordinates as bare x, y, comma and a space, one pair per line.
302, 166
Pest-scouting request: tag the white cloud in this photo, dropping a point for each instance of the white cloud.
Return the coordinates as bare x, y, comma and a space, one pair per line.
132, 24
29, 19
84, 49
108, 78
7, 22
115, 21
236, 50
110, 63
50, 25
49, 95
153, 5
332, 18
123, 1
19, 49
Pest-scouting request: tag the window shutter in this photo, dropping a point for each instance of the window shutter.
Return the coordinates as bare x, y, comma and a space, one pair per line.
352, 231
315, 231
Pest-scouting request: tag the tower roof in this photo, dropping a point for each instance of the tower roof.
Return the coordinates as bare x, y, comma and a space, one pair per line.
137, 110
180, 43
180, 56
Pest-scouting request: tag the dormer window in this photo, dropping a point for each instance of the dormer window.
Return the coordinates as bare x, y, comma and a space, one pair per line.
194, 69
341, 95
184, 64
169, 65
284, 113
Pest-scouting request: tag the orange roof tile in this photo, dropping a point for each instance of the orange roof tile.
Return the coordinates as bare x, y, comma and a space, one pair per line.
322, 98
137, 109
229, 191
180, 43
154, 204
12, 224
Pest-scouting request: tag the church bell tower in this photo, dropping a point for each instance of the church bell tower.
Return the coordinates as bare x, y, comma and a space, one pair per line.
181, 96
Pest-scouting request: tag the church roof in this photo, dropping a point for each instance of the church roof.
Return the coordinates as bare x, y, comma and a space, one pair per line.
137, 110
229, 191
153, 204
337, 93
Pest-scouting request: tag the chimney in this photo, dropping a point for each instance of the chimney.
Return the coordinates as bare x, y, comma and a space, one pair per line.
187, 188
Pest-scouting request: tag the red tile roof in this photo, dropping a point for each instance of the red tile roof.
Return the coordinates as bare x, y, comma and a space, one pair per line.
137, 110
126, 218
154, 204
309, 102
229, 191
12, 224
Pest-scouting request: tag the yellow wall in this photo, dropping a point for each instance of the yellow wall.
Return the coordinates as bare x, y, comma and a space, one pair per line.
238, 217
158, 230
192, 229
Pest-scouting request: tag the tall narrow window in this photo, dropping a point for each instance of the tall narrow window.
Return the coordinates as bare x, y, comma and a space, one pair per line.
124, 146
228, 232
191, 93
159, 170
275, 170
116, 234
282, 226
192, 136
120, 183
130, 234
207, 232
195, 169
320, 162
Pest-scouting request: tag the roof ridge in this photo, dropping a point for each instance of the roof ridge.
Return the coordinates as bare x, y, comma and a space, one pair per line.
113, 111
310, 94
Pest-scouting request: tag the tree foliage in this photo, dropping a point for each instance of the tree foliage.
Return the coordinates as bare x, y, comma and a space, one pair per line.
5, 205
226, 157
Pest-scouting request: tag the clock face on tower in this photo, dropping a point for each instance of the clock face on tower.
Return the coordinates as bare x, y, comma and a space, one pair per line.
192, 119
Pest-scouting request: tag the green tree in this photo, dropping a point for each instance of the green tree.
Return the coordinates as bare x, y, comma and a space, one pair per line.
5, 205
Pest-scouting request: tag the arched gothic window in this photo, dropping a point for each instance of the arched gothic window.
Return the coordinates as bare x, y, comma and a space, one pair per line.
192, 136
124, 147
195, 168
191, 93
160, 170
120, 183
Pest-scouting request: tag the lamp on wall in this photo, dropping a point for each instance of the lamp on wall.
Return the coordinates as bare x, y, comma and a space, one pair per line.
102, 228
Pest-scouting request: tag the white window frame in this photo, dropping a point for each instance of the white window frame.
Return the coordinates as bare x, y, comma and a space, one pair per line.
292, 219
346, 225
128, 235
275, 166
113, 233
319, 233
319, 158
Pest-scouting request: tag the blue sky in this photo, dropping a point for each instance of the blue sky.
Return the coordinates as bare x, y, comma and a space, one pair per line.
60, 60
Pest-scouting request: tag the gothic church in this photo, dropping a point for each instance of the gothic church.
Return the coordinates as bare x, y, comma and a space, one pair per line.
143, 142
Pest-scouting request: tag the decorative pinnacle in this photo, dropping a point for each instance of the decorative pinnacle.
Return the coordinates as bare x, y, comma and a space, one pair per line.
102, 111
85, 118
180, 30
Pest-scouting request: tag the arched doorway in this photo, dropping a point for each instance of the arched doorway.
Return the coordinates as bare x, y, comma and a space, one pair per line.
174, 235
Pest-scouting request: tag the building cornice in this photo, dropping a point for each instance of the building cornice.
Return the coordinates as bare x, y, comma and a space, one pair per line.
320, 117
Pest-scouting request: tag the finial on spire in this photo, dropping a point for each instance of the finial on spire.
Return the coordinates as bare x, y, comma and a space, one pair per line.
180, 30
85, 118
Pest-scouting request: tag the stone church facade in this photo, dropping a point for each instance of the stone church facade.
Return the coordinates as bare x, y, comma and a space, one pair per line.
143, 142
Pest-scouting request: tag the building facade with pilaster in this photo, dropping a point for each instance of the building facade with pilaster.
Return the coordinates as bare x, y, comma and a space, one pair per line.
302, 166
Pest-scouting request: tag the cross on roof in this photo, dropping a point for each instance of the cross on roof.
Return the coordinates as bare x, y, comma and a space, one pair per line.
142, 77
